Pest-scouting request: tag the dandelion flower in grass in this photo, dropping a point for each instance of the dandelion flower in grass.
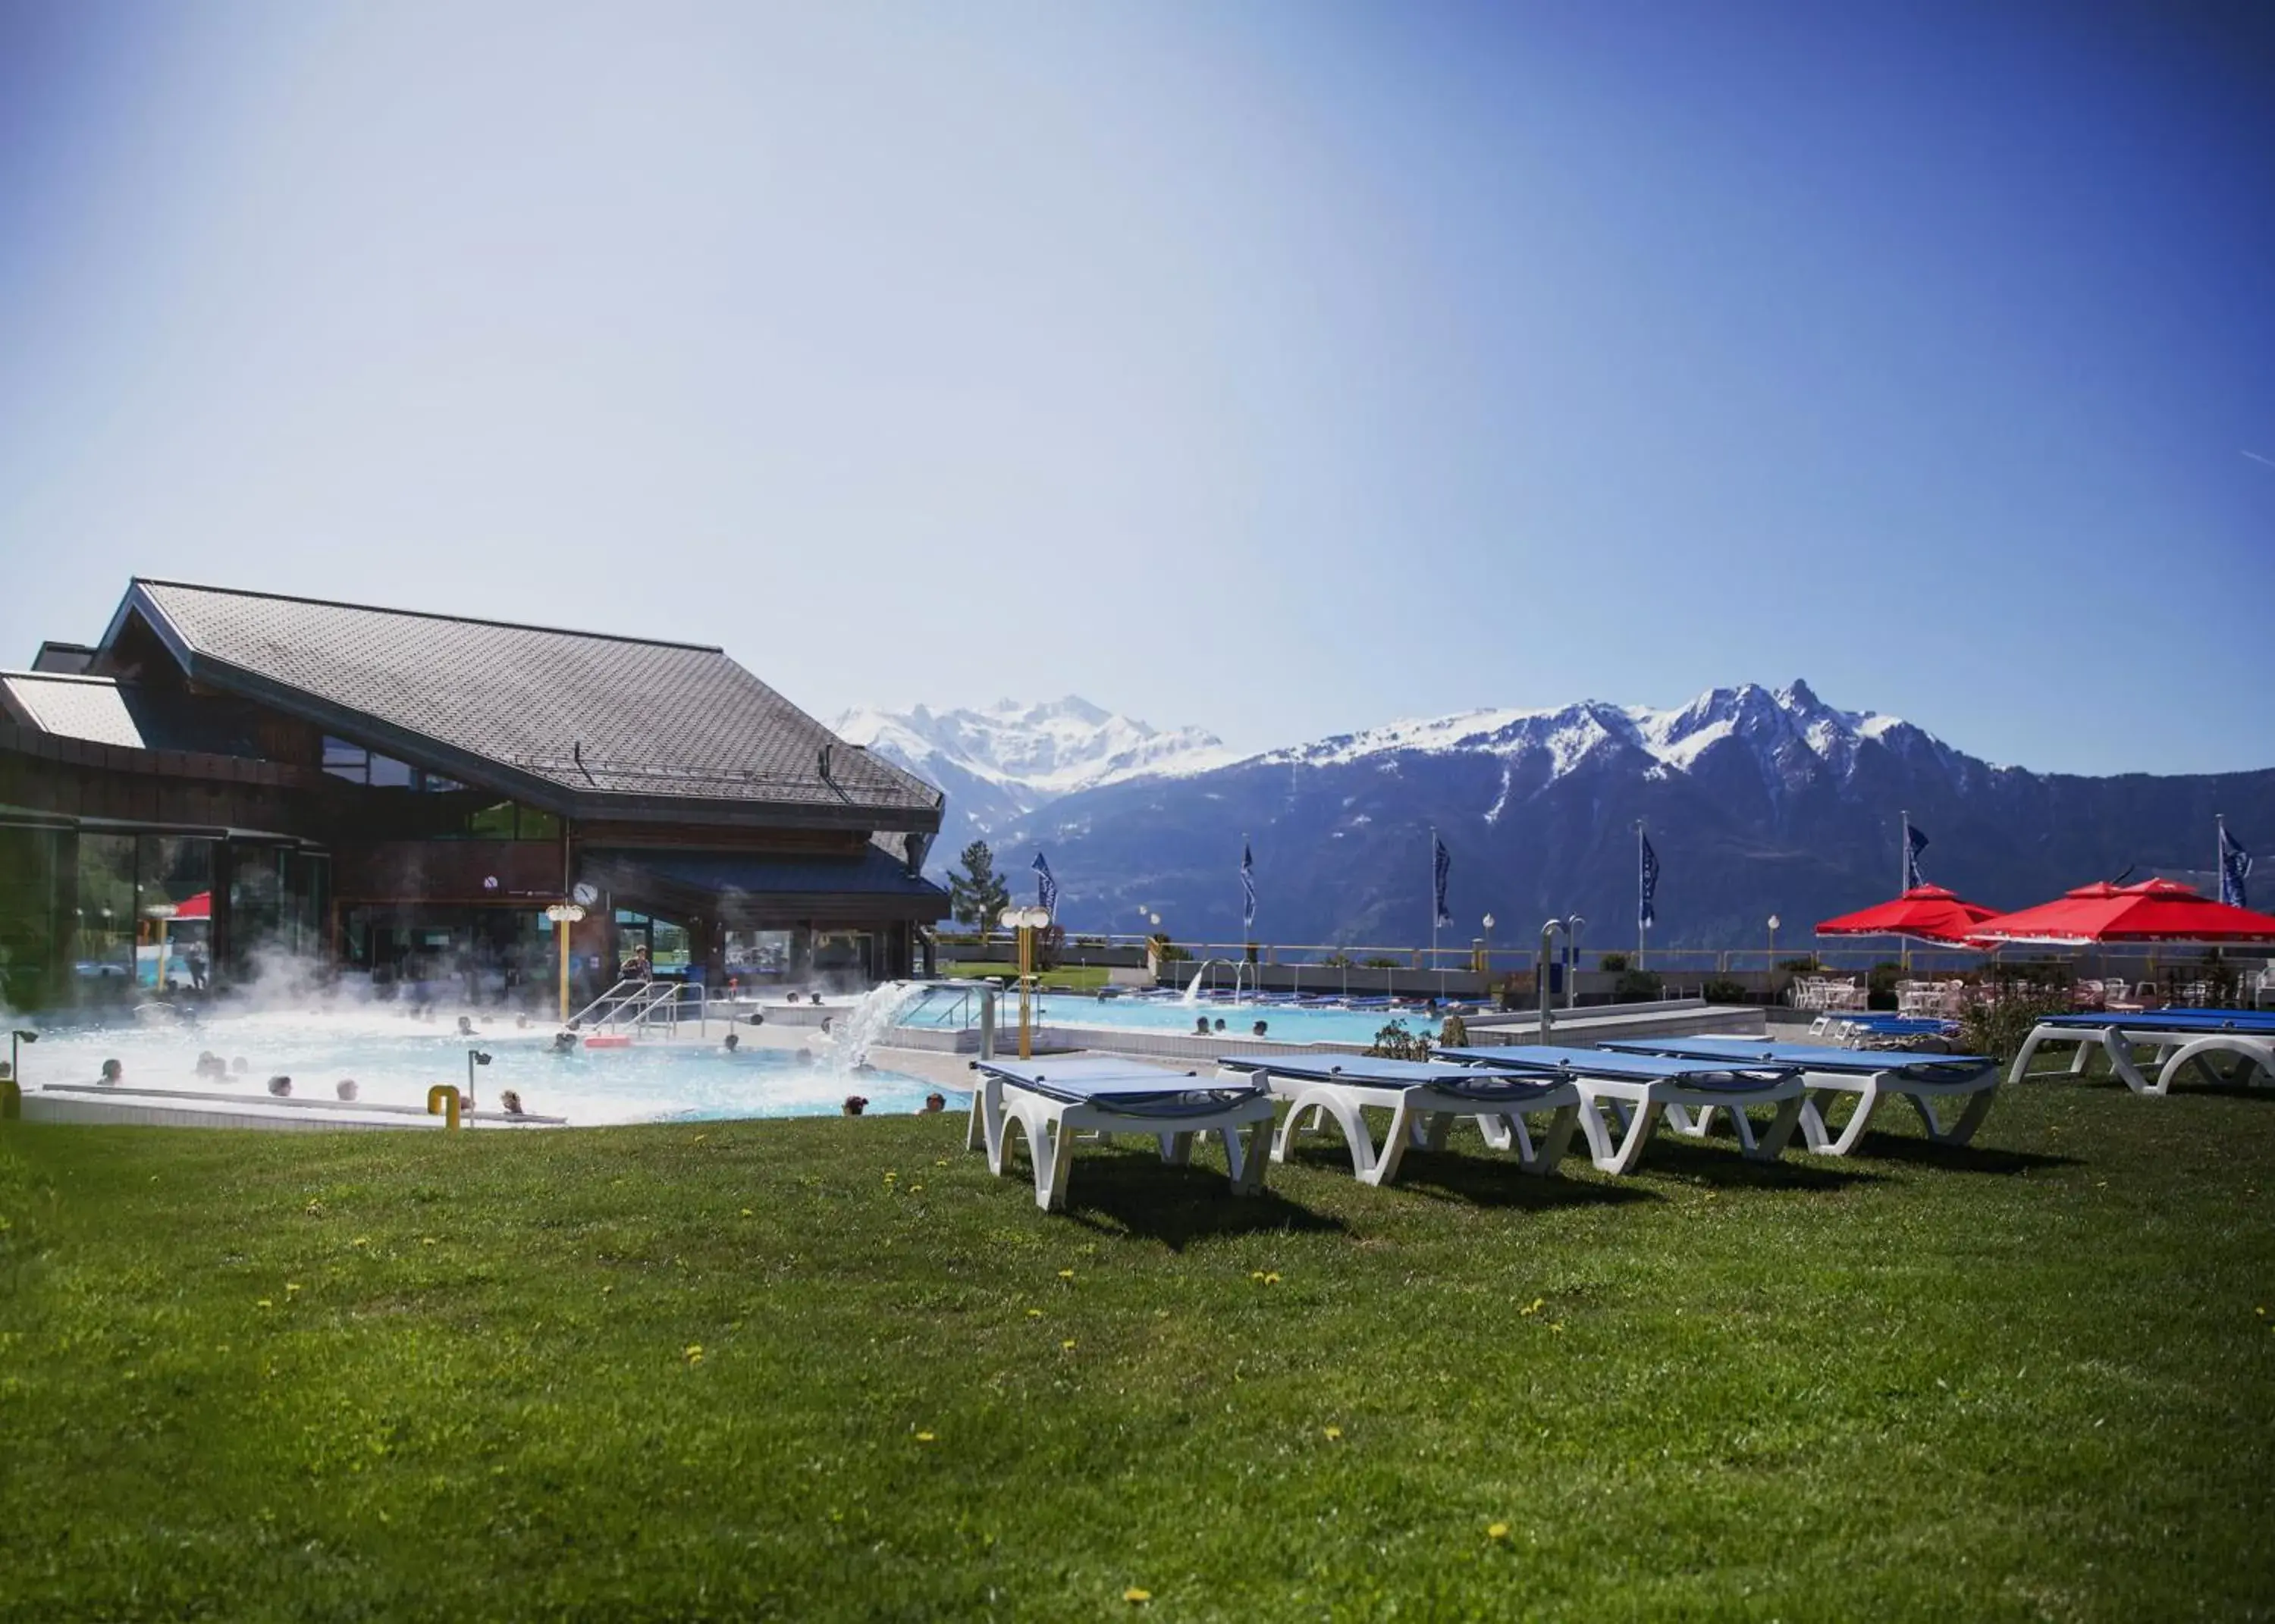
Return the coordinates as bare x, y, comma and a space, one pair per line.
1068, 1344
1066, 1274
1331, 1433
291, 1285
924, 1438
1272, 1279
693, 1353
1498, 1531
361, 1240
1136, 1597
746, 1213
916, 1189
264, 1303
1034, 1313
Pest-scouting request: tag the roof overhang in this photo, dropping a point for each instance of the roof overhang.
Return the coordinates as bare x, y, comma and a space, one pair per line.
529, 788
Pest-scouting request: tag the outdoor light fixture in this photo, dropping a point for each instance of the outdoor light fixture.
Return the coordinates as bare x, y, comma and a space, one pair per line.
564, 915
1772, 966
474, 1057
1026, 921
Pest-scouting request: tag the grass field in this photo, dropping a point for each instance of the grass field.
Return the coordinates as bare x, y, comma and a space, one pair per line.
829, 1369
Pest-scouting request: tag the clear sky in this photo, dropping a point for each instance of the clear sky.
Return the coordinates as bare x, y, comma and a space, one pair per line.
1279, 368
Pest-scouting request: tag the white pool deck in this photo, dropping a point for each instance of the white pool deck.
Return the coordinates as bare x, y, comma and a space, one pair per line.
91, 1103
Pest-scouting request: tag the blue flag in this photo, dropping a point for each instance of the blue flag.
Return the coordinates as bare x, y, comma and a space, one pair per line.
1646, 911
2234, 869
1047, 888
1441, 864
1915, 842
1247, 884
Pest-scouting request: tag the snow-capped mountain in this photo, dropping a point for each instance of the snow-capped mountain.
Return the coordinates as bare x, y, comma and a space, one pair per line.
1789, 731
1000, 763
1758, 801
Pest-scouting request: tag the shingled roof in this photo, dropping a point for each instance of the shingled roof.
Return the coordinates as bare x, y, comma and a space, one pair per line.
588, 724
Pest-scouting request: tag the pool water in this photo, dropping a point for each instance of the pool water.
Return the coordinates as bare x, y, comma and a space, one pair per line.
1284, 1023
394, 1061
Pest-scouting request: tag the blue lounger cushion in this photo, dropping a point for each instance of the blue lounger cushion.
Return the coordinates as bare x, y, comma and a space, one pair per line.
1373, 1071
1618, 1068
2257, 1023
1119, 1086
1809, 1056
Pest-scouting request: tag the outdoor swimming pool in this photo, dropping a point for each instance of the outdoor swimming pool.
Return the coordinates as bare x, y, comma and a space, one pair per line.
394, 1061
942, 1007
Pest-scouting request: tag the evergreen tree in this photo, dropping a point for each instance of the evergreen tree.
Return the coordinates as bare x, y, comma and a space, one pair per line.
978, 896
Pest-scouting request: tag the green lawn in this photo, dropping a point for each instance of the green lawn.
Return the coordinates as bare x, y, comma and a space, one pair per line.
830, 1369
1079, 978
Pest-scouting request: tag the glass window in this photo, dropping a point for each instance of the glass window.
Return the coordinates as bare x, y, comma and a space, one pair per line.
343, 759
388, 773
107, 914
435, 783
535, 824
492, 822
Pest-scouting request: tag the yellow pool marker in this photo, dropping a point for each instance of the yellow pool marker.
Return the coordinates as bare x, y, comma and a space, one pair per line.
444, 1101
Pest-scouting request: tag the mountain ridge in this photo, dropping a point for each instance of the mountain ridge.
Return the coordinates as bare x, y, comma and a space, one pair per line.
1758, 800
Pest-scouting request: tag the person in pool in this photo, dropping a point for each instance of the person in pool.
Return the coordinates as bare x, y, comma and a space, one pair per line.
732, 1042
934, 1104
112, 1073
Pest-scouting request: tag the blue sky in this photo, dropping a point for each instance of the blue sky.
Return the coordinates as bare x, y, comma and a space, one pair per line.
1282, 369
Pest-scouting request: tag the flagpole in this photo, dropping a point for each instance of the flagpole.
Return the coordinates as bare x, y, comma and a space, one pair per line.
1433, 896
1643, 931
2219, 855
1904, 856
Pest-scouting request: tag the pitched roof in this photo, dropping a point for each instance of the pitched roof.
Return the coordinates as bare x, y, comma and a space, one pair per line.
609, 725
80, 707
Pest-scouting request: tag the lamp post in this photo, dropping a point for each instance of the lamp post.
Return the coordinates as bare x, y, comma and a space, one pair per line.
16, 1066
474, 1057
1026, 922
1484, 954
1770, 979
564, 915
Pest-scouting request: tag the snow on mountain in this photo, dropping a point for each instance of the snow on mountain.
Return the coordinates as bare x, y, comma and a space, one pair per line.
1791, 733
1031, 753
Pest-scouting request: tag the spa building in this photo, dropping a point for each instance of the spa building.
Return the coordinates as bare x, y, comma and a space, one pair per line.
230, 782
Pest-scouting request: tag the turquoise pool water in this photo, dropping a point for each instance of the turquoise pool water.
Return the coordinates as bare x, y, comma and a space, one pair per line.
1283, 1023
394, 1061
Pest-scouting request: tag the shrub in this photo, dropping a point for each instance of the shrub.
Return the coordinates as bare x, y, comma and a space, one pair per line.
1637, 986
1722, 990
1378, 964
1516, 991
1999, 1029
1394, 1042
1168, 951
1455, 1034
1799, 967
1612, 961
1337, 960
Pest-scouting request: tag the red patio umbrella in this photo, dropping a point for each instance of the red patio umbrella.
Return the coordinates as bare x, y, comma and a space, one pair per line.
1929, 912
2154, 910
198, 906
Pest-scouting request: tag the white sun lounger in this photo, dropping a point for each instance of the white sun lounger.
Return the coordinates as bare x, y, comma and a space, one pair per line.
1053, 1100
1424, 1099
2179, 1039
1872, 1075
1638, 1089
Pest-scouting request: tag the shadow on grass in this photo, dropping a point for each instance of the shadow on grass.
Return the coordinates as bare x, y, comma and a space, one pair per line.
1958, 1157
1135, 1193
1717, 1160
1490, 1181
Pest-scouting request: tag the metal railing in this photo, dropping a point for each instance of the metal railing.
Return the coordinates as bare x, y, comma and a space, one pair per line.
641, 1004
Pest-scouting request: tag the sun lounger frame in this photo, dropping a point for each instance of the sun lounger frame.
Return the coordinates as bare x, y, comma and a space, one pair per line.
1637, 1102
1319, 1088
1872, 1075
2193, 1040
1021, 1093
